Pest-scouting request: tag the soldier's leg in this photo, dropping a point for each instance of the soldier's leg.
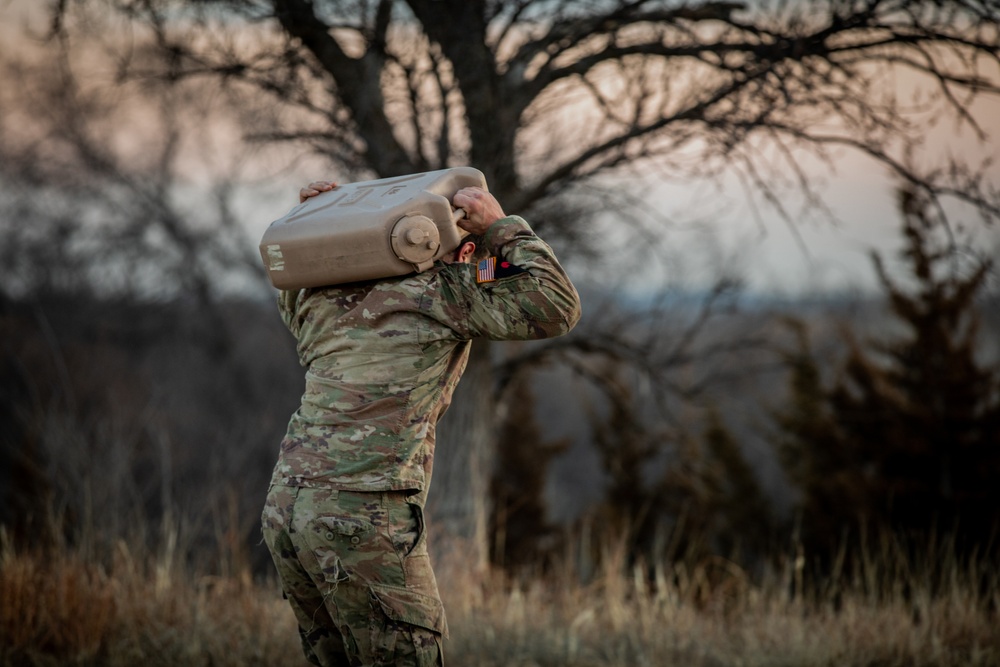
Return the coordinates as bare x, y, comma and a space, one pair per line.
321, 639
381, 591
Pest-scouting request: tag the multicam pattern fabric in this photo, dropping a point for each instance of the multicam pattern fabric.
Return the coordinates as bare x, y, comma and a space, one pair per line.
383, 359
355, 569
343, 517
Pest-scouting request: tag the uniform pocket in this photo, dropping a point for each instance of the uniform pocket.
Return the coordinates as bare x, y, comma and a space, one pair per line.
403, 605
350, 531
406, 627
339, 544
406, 526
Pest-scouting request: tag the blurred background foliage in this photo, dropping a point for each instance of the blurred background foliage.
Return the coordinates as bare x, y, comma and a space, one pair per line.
146, 379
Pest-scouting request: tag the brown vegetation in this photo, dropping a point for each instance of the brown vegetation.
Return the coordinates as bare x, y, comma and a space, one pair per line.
132, 608
64, 609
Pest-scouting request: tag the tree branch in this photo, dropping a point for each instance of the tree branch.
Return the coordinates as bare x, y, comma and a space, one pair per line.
358, 82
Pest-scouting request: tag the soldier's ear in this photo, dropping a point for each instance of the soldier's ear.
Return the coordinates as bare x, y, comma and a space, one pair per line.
466, 251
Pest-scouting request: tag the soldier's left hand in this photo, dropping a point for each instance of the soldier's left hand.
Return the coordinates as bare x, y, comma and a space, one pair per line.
481, 209
314, 189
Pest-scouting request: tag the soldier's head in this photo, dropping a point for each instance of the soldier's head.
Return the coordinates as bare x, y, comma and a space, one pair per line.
471, 249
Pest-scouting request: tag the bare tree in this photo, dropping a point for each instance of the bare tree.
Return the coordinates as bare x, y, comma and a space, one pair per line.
547, 95
96, 189
113, 267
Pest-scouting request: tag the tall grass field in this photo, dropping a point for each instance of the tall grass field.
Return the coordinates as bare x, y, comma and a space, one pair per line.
127, 608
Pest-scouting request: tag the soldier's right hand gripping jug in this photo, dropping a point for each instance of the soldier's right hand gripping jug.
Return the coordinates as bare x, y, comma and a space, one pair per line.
367, 230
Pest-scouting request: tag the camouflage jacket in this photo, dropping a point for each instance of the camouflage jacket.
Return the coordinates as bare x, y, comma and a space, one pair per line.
384, 357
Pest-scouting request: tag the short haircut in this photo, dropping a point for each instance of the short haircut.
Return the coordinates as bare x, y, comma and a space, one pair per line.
482, 252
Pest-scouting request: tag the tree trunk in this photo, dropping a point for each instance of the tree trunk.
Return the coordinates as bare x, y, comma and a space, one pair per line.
458, 504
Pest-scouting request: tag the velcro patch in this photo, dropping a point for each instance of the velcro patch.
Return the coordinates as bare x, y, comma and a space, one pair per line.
491, 269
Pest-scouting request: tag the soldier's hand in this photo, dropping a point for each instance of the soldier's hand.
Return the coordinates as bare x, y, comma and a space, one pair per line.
481, 209
314, 189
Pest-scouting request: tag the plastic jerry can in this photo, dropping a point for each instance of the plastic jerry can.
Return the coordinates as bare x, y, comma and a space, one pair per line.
367, 230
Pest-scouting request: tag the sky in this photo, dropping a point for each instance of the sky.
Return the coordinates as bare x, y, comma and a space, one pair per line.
821, 254
835, 254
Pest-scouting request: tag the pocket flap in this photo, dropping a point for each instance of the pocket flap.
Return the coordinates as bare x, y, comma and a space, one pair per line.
408, 606
344, 525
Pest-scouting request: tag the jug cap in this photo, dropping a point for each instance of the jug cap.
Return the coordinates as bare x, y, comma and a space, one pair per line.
415, 239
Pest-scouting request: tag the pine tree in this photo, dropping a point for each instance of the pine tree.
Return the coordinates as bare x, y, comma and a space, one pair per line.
742, 511
813, 452
908, 435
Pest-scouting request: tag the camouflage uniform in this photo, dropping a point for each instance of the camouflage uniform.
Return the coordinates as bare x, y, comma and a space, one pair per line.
344, 514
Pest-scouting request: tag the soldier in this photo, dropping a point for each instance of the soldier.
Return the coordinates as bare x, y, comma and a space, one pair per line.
344, 513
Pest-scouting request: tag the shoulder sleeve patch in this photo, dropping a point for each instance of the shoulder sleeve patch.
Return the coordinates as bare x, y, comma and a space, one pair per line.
491, 269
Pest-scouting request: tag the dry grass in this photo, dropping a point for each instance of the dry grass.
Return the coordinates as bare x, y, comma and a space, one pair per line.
65, 611
142, 610
710, 614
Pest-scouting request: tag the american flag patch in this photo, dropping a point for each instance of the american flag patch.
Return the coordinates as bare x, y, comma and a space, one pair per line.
486, 270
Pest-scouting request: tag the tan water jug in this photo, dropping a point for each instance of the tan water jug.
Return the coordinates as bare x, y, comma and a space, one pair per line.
367, 230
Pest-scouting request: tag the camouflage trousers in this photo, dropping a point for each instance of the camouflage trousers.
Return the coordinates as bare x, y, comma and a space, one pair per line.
355, 569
